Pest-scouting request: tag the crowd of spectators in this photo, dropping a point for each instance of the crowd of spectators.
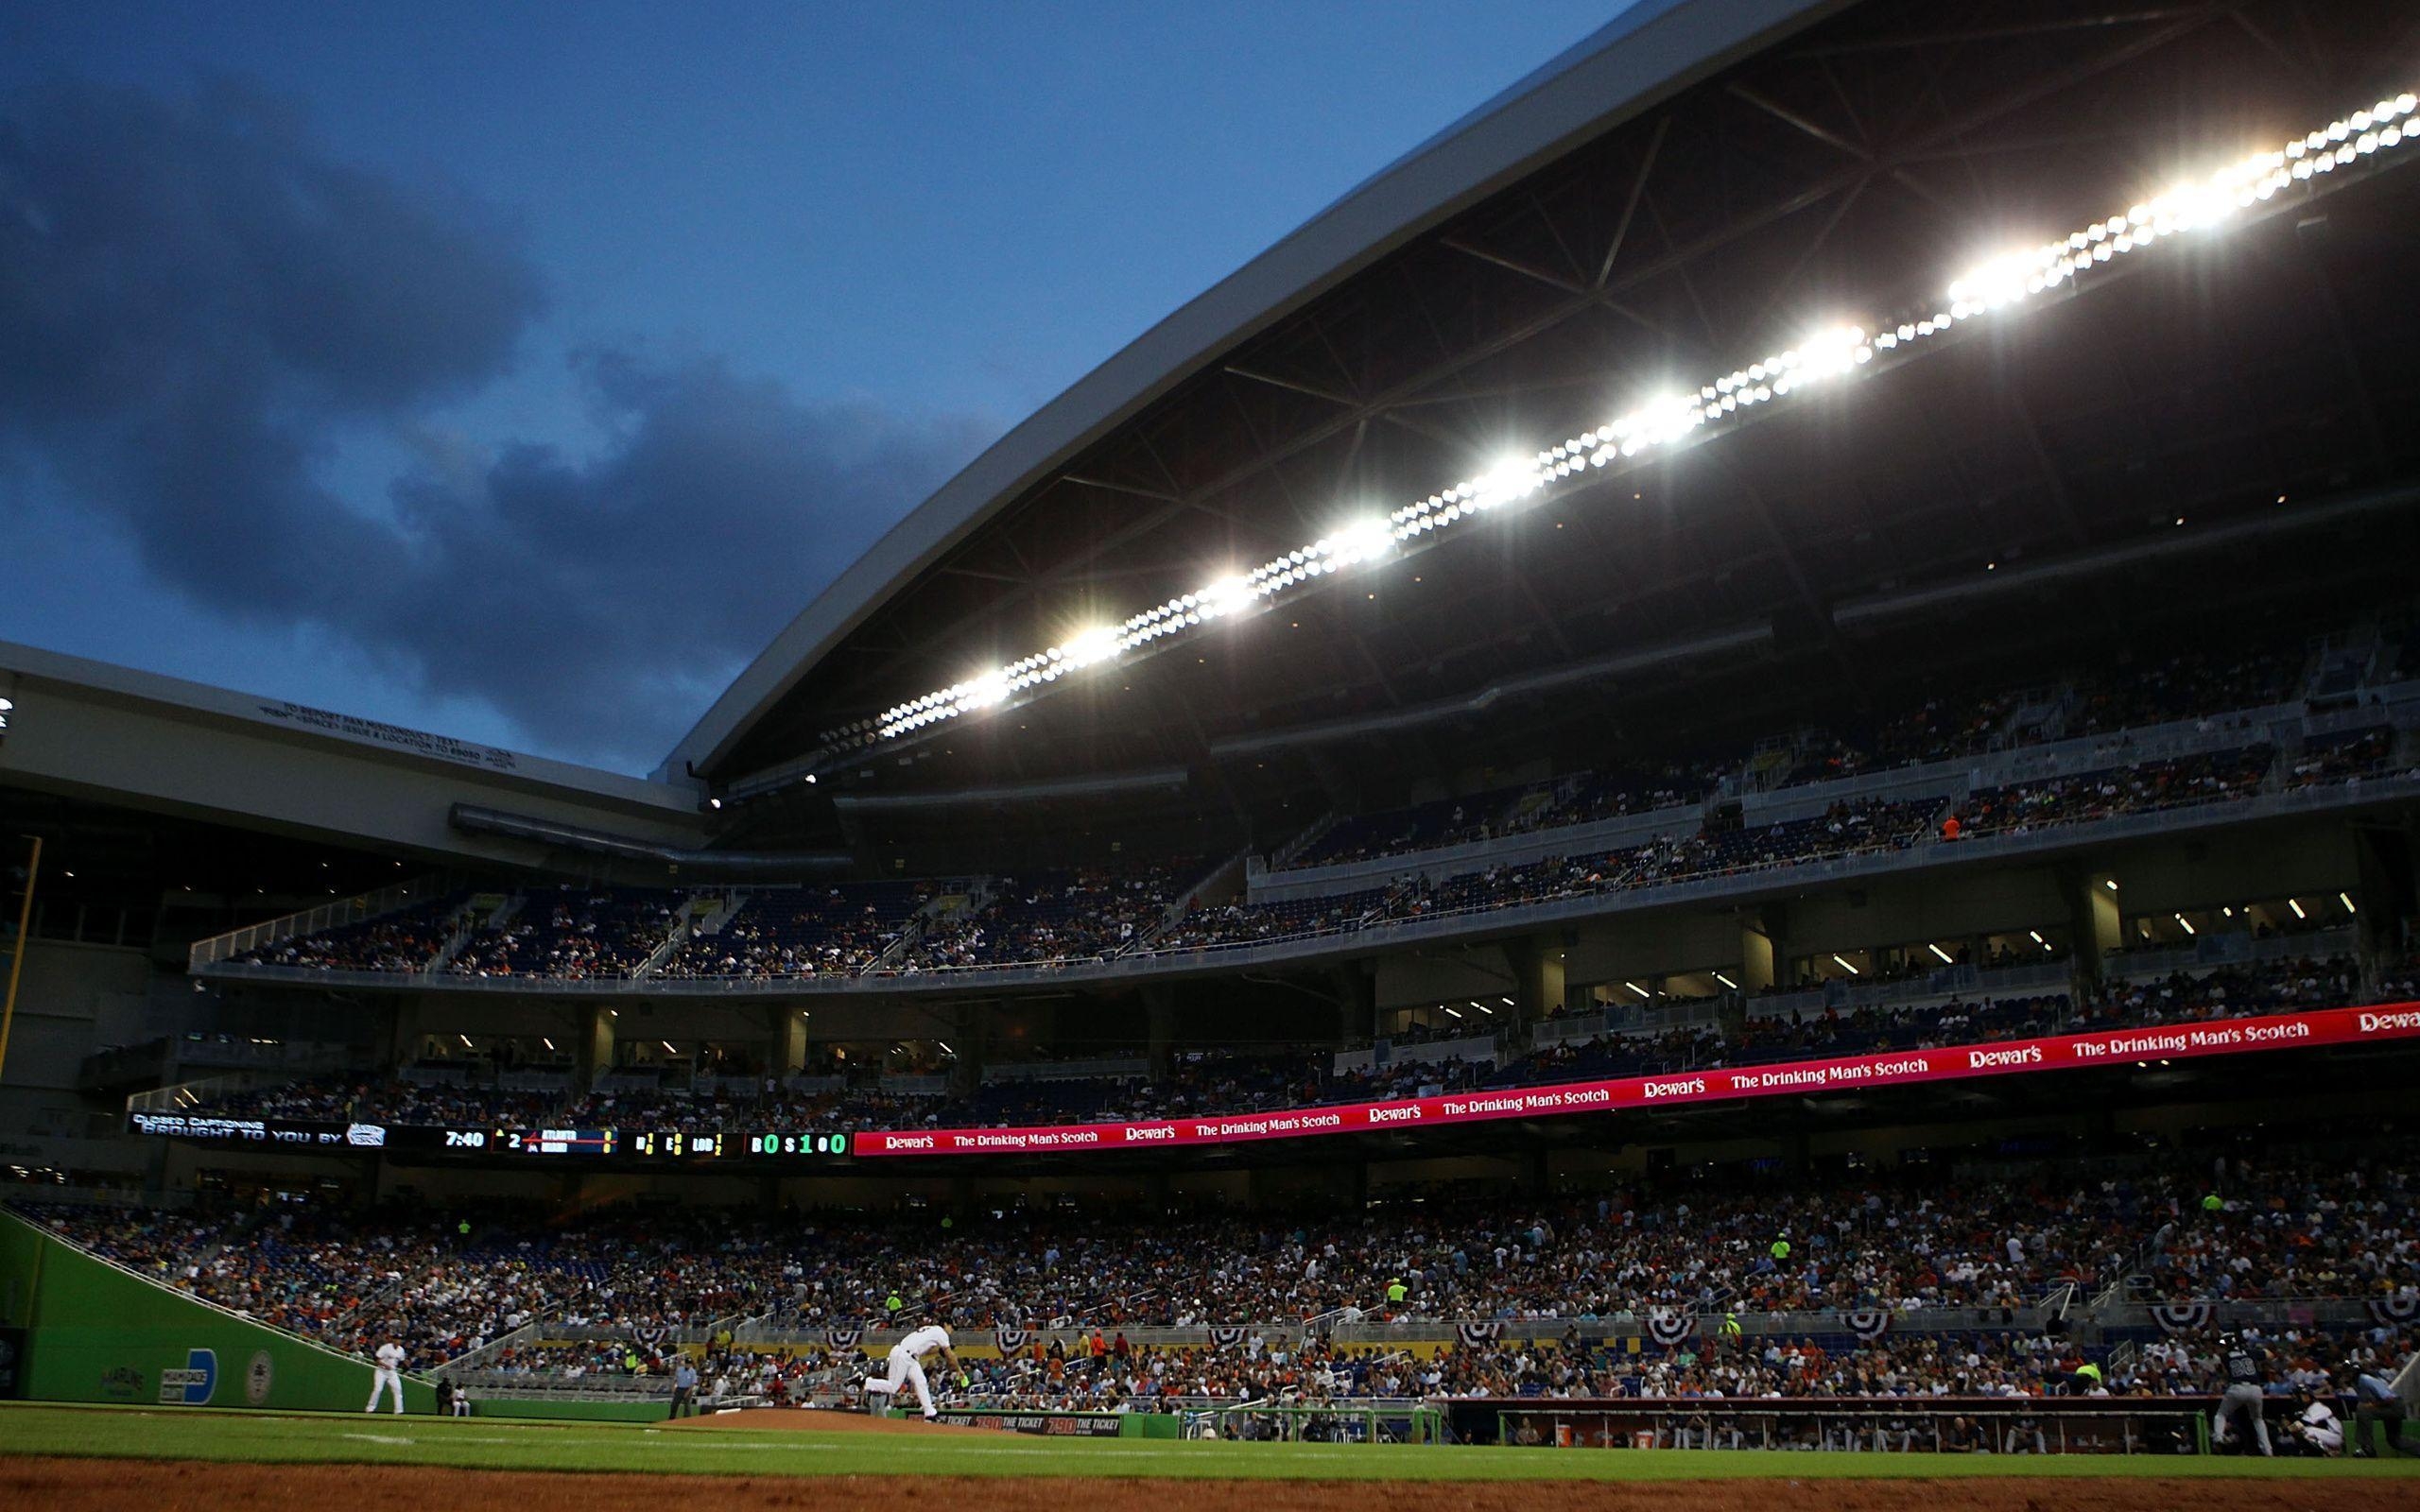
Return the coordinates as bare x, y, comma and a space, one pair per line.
570, 934
1089, 913
2084, 797
789, 932
1713, 1385
408, 940
1935, 727
2290, 1221
440, 1283
2347, 757
368, 1099
1245, 923
1847, 827
2186, 685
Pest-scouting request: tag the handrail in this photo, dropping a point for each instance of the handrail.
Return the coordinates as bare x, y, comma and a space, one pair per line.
467, 1360
392, 898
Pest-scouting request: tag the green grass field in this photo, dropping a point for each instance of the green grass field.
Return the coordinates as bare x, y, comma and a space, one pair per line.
491, 1444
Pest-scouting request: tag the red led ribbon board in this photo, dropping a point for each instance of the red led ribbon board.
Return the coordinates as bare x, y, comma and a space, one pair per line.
1895, 1068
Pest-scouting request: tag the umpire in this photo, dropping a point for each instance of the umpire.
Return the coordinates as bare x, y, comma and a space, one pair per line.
2375, 1402
2247, 1371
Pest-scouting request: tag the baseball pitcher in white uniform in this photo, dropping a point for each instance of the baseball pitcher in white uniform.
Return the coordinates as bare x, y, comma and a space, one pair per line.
389, 1375
906, 1368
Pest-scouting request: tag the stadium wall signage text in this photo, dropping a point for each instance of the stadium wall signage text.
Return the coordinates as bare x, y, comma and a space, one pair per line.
1893, 1068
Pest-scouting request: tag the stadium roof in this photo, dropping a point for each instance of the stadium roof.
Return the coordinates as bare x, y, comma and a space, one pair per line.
84, 731
1650, 49
1696, 186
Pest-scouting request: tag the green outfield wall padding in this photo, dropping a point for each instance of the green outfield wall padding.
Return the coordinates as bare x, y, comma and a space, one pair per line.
97, 1333
20, 1262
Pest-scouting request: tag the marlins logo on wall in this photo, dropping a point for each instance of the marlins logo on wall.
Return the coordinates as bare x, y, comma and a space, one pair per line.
257, 1380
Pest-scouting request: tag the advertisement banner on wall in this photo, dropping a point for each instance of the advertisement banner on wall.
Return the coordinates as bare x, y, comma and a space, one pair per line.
1895, 1068
194, 1385
12, 1358
1051, 1424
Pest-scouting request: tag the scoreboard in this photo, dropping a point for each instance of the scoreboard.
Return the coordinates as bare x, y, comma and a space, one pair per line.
793, 1142
503, 1145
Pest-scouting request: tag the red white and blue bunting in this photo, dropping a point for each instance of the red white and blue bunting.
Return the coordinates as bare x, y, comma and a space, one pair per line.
1668, 1329
2181, 1317
1011, 1339
1866, 1323
1475, 1334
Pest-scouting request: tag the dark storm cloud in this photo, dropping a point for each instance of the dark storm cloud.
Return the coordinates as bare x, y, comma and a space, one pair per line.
196, 301
653, 569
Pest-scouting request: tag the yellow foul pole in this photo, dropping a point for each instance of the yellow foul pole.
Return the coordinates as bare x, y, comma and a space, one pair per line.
17, 956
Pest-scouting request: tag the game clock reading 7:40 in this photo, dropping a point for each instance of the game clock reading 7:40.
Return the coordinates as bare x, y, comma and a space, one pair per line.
798, 1145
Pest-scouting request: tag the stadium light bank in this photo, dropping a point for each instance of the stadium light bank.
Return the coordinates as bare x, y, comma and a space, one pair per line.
2001, 283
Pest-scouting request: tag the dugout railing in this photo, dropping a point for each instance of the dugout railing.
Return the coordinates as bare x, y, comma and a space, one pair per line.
1353, 1420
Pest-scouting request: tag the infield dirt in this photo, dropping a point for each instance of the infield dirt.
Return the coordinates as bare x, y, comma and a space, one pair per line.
187, 1486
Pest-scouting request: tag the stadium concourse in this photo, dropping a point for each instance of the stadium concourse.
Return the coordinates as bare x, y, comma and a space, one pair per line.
1732, 763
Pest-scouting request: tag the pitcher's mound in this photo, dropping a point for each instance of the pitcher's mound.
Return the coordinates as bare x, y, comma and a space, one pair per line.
820, 1420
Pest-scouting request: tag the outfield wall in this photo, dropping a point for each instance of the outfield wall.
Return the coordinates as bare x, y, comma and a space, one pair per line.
94, 1332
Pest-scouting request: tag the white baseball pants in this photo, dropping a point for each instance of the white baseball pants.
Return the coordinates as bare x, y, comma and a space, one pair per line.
383, 1380
904, 1371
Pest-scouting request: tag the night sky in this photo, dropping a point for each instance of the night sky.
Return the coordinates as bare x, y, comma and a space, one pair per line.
517, 372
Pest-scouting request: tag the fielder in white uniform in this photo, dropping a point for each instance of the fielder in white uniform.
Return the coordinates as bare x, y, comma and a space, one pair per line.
389, 1376
906, 1367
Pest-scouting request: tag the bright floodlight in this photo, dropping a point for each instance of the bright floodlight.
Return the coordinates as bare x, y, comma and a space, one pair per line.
1228, 595
985, 691
1831, 351
2008, 280
1095, 644
1361, 540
